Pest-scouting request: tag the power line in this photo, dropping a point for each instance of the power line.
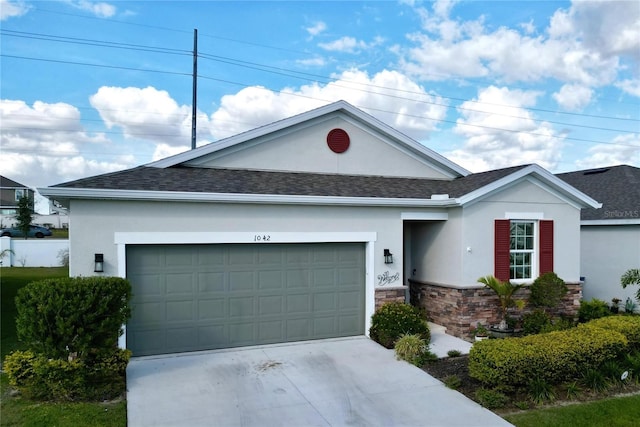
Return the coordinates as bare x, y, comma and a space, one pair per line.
95, 65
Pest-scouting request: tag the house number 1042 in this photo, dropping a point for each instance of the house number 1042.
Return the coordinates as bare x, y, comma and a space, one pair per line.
261, 238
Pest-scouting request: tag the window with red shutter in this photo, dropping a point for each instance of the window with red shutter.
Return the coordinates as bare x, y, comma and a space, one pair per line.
502, 249
546, 246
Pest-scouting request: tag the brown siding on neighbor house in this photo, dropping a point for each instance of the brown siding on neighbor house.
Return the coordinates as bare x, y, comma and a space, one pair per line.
460, 309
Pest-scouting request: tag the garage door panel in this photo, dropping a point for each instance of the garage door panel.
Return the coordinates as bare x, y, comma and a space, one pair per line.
300, 303
350, 300
178, 284
211, 282
270, 305
297, 279
241, 307
270, 331
241, 281
242, 334
324, 301
324, 327
149, 312
180, 311
212, 309
324, 277
270, 280
198, 297
147, 285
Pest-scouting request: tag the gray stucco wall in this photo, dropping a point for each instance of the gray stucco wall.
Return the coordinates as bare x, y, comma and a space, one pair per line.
459, 251
607, 252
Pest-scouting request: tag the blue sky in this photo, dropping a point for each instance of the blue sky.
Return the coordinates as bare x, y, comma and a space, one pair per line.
91, 87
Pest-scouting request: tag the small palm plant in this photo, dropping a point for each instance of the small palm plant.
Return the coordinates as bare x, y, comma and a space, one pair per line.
505, 292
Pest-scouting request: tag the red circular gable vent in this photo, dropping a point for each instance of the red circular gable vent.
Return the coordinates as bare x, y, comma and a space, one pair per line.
338, 140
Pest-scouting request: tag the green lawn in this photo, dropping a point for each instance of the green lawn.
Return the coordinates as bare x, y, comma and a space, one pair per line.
615, 412
16, 411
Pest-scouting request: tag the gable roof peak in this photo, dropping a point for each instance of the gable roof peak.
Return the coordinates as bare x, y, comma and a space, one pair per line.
340, 107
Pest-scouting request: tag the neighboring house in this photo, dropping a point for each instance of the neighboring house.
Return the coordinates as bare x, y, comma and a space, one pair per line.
297, 230
10, 193
610, 237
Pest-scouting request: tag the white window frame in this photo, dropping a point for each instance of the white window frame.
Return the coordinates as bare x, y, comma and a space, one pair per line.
534, 252
20, 193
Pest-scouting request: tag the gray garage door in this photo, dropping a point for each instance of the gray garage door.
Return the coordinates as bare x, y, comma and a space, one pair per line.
200, 297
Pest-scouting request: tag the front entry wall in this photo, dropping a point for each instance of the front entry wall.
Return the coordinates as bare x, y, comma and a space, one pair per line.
201, 297
461, 309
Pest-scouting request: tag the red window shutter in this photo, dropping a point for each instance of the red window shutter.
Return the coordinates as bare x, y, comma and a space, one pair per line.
502, 246
546, 246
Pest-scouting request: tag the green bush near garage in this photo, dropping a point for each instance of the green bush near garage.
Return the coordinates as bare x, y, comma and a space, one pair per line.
38, 377
395, 319
78, 316
554, 357
70, 327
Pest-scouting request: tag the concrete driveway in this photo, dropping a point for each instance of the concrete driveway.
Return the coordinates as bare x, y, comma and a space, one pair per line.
341, 382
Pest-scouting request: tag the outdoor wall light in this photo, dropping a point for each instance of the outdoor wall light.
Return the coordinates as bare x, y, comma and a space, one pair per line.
99, 263
388, 257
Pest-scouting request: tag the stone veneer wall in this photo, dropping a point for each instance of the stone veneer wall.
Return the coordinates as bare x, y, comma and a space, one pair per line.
396, 293
460, 309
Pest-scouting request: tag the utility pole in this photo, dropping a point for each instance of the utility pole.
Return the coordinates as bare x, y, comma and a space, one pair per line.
194, 108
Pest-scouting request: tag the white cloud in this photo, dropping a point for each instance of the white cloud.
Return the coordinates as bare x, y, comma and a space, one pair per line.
623, 150
45, 144
148, 114
573, 97
630, 86
316, 28
316, 61
577, 47
10, 9
99, 9
413, 112
350, 45
499, 132
344, 44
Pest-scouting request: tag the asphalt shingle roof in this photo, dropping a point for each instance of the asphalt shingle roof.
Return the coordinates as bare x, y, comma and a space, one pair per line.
616, 187
207, 180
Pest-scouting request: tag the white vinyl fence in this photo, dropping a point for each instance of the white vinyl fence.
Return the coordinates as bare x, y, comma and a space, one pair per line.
32, 252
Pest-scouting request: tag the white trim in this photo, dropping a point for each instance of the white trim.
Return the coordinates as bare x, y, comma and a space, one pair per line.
180, 238
182, 196
610, 222
550, 182
122, 239
424, 216
524, 215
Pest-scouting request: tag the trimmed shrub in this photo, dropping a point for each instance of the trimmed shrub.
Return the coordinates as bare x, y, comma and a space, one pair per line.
547, 291
535, 322
629, 326
554, 357
593, 309
80, 315
41, 378
395, 319
491, 399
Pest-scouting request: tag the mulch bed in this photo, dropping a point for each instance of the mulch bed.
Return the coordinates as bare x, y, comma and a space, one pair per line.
447, 367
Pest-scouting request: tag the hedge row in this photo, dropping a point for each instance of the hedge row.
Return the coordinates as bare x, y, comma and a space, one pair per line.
40, 378
629, 326
554, 357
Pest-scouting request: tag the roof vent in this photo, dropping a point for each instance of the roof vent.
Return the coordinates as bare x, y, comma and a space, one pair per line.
595, 171
338, 140
439, 197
